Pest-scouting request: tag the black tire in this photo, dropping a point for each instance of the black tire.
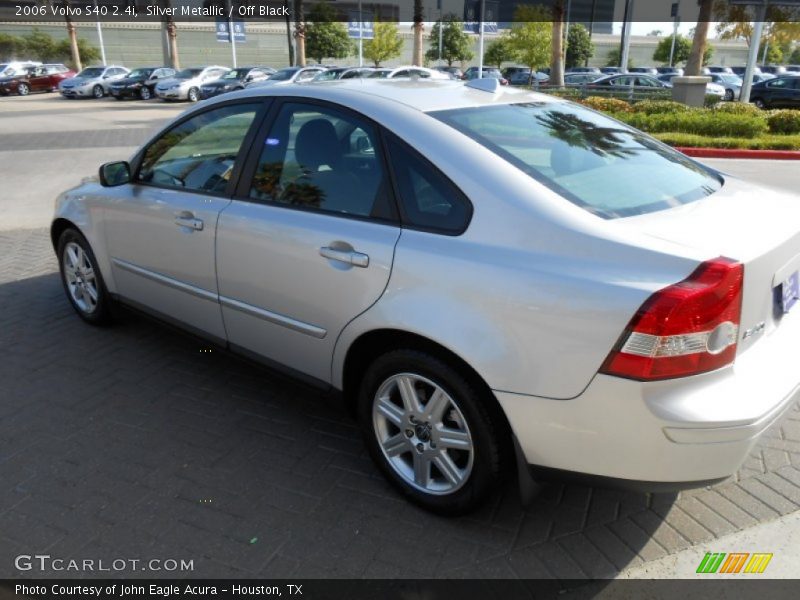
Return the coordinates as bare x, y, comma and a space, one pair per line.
193, 95
23, 89
101, 314
118, 97
98, 91
760, 103
145, 93
470, 400
729, 95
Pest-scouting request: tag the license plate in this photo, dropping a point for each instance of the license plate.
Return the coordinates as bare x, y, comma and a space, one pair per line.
790, 291
115, 92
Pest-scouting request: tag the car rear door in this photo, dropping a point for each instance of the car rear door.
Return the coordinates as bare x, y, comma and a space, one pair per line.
307, 243
160, 231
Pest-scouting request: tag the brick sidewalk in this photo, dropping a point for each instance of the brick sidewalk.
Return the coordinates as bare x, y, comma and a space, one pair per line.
134, 442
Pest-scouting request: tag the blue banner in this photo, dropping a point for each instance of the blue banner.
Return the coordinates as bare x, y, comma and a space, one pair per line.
367, 29
239, 33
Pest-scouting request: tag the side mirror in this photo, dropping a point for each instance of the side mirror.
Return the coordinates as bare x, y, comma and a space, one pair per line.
115, 173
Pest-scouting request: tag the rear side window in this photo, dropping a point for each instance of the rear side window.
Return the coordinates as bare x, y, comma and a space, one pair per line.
428, 199
598, 163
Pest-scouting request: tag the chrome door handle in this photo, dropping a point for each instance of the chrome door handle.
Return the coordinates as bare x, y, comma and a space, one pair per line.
189, 221
350, 257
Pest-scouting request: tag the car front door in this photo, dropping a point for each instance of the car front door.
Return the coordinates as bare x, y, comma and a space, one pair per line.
38, 79
160, 231
307, 243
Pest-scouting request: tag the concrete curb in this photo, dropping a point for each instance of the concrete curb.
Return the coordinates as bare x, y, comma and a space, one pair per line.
739, 153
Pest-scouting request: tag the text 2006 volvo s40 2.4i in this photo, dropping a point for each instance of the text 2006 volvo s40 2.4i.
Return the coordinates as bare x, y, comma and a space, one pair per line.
495, 279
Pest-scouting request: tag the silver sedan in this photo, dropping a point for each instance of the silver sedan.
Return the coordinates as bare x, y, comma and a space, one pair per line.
490, 277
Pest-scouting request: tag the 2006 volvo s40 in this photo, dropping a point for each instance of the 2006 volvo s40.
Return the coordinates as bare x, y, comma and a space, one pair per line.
495, 279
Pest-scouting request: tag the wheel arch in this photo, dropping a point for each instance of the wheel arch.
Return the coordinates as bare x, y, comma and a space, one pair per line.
58, 227
371, 344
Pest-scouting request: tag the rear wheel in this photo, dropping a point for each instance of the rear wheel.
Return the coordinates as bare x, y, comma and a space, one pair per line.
23, 89
97, 91
82, 280
430, 431
193, 95
759, 103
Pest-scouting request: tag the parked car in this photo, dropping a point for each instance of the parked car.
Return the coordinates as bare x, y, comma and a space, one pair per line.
773, 69
186, 84
343, 73
412, 72
610, 70
92, 82
487, 73
579, 79
42, 78
522, 76
779, 92
644, 70
670, 70
289, 75
646, 333
740, 71
454, 72
140, 83
732, 84
712, 89
235, 79
380, 73
627, 81
720, 69
594, 70
10, 69
793, 68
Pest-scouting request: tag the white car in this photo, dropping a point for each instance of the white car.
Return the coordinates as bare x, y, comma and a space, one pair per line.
410, 72
17, 67
92, 82
187, 84
288, 76
491, 277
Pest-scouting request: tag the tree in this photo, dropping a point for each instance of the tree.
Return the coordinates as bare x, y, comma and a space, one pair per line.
795, 57
40, 46
530, 37
386, 44
774, 53
87, 52
11, 47
300, 32
557, 45
499, 51
781, 28
416, 57
456, 45
613, 58
326, 37
700, 41
683, 47
579, 46
172, 35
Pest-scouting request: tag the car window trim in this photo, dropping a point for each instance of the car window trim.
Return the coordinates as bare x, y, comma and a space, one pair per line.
242, 191
261, 113
404, 219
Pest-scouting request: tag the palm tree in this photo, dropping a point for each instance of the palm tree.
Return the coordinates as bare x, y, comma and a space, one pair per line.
172, 35
300, 32
416, 58
72, 35
557, 61
695, 61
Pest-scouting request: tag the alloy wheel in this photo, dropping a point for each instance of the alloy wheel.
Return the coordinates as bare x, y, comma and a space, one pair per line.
145, 93
193, 96
23, 89
98, 91
423, 434
80, 278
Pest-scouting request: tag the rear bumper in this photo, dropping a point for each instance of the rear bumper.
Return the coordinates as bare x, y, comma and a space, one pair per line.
684, 432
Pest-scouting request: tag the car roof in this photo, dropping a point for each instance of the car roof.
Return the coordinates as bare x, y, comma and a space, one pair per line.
424, 95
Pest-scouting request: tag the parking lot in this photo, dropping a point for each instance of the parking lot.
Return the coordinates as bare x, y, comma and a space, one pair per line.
139, 442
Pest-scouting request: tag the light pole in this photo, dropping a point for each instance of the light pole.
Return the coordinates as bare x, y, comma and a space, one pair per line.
752, 55
675, 22
100, 35
480, 41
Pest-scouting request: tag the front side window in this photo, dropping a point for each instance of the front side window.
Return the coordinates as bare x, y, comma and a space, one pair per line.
199, 154
598, 163
323, 159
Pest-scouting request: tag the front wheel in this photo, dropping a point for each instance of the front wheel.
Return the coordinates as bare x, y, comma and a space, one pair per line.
144, 93
193, 95
729, 95
23, 89
430, 431
82, 280
97, 91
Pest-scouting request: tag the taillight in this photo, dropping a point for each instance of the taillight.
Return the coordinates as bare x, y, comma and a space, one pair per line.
687, 328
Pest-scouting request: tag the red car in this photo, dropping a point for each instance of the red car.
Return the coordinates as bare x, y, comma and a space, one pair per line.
41, 78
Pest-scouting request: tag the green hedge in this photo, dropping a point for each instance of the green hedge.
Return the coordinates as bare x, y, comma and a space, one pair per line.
659, 107
764, 142
700, 122
784, 121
